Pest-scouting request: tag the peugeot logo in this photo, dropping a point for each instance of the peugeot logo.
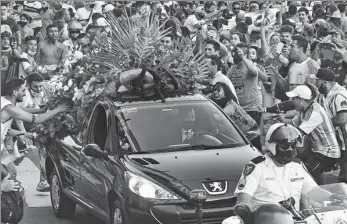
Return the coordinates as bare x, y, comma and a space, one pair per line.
215, 187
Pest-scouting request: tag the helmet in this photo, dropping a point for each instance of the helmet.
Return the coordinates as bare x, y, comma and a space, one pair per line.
281, 141
74, 25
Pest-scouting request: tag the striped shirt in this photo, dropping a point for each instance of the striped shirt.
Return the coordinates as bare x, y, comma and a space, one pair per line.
316, 124
336, 102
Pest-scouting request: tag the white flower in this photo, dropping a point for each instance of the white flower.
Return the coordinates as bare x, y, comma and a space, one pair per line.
59, 85
78, 94
66, 88
70, 83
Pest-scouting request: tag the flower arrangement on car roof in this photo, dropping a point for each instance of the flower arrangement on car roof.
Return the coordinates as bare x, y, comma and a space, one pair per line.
132, 60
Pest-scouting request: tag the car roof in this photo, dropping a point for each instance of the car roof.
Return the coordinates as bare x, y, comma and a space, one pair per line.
176, 98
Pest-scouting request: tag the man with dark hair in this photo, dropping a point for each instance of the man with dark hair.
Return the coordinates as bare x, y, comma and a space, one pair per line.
51, 54
303, 65
7, 23
167, 41
15, 91
9, 53
215, 67
27, 58
307, 29
331, 93
245, 77
212, 47
33, 102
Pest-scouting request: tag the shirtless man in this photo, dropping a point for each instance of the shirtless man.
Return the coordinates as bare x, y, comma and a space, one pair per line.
51, 54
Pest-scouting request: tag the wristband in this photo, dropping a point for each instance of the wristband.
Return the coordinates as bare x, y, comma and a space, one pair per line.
20, 134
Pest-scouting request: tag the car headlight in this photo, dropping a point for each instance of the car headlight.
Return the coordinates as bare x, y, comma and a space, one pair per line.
147, 189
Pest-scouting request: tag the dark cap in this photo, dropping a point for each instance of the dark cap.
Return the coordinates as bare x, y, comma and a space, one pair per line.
5, 34
29, 38
338, 31
324, 74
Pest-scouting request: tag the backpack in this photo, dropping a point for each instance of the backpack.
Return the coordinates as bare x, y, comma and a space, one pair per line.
12, 204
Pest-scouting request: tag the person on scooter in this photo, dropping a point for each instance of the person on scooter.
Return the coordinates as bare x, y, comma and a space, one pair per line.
278, 175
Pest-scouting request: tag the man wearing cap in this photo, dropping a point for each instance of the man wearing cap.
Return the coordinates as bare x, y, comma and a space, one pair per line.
24, 29
333, 98
9, 53
336, 63
314, 122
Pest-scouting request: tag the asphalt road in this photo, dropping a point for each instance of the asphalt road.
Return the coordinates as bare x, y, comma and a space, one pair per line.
39, 209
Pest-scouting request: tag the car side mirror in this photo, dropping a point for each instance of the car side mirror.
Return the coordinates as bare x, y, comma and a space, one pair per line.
93, 150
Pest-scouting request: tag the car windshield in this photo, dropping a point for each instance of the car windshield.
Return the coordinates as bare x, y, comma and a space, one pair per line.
180, 126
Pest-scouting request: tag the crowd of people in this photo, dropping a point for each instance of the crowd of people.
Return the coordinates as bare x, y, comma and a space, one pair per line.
288, 58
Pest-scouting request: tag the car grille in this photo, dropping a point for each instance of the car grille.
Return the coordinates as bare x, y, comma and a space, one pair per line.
230, 202
204, 221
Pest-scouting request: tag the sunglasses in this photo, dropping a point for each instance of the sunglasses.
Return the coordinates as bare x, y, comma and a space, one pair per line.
236, 8
75, 32
286, 145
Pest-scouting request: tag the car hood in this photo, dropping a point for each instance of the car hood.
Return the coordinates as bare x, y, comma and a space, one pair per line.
195, 169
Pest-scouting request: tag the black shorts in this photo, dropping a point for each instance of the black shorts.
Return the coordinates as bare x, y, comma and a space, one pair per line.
343, 156
317, 164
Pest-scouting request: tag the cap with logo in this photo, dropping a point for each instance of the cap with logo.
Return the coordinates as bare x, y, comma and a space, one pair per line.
338, 31
325, 74
301, 91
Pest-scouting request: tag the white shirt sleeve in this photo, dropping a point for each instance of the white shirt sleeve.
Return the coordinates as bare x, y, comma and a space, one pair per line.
340, 103
309, 125
190, 22
25, 65
249, 180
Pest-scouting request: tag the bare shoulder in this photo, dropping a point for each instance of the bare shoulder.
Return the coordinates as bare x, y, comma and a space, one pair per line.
42, 43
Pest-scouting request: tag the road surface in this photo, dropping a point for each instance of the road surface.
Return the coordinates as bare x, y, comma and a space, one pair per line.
39, 209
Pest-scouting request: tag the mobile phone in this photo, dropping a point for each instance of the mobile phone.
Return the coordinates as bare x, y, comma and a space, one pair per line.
279, 47
12, 40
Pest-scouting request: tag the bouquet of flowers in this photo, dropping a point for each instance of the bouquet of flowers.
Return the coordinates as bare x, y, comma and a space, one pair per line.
133, 52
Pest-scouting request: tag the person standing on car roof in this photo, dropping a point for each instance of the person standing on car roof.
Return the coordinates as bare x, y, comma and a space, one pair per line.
278, 175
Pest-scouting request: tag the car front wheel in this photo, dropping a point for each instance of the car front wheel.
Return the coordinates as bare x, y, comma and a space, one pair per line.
63, 207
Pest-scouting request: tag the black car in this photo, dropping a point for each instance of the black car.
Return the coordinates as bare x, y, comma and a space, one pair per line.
139, 161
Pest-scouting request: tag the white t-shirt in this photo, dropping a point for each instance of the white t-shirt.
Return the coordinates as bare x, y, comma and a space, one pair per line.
5, 126
190, 22
270, 184
298, 72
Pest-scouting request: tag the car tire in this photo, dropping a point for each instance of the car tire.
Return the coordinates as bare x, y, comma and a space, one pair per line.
63, 207
118, 214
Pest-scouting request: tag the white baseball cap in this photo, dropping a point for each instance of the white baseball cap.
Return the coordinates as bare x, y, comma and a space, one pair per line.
301, 91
